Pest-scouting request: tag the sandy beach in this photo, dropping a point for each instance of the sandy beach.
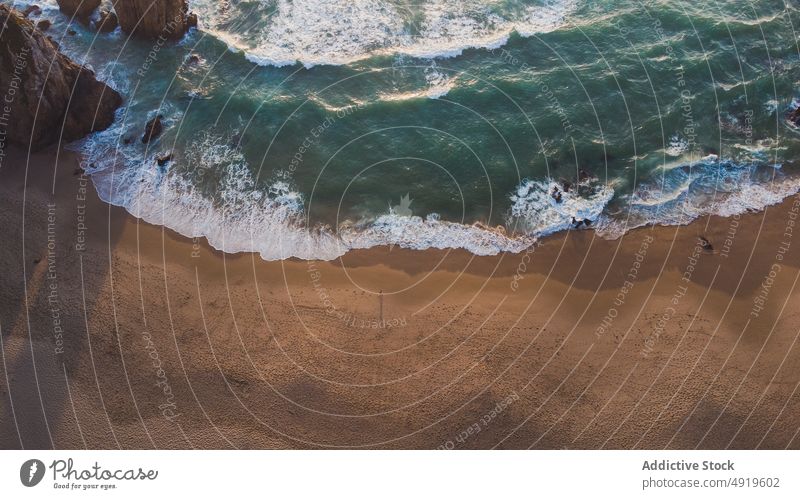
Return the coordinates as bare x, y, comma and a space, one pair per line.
120, 334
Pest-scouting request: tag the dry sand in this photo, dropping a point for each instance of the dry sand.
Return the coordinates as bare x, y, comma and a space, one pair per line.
167, 343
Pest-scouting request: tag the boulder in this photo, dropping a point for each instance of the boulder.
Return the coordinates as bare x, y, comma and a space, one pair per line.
154, 19
793, 117
32, 9
153, 129
79, 9
164, 159
106, 21
44, 25
49, 97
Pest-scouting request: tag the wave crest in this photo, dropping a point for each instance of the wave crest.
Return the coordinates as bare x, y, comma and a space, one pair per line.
331, 32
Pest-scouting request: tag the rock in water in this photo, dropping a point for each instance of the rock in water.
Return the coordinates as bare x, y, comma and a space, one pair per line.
32, 9
80, 9
106, 22
49, 97
167, 19
163, 160
44, 24
793, 117
152, 129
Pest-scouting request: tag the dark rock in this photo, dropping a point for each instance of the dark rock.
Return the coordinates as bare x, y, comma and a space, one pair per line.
127, 140
163, 160
55, 98
153, 129
106, 21
706, 244
238, 140
556, 194
71, 32
44, 25
793, 117
79, 9
193, 59
154, 19
32, 9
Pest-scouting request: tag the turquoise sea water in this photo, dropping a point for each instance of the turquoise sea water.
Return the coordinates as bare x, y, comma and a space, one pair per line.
306, 128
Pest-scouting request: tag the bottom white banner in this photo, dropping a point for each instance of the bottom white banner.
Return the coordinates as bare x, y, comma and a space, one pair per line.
404, 474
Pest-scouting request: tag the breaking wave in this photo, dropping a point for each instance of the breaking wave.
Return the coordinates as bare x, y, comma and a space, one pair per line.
235, 215
331, 32
712, 186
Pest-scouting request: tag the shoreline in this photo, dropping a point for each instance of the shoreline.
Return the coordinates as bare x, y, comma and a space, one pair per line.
276, 354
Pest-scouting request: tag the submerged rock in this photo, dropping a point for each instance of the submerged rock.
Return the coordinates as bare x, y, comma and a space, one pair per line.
153, 129
155, 19
49, 97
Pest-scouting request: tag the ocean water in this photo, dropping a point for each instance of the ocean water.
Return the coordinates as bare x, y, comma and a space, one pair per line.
307, 128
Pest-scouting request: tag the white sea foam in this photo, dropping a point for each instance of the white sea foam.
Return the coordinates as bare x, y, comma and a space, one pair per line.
539, 213
331, 32
239, 217
771, 106
437, 84
711, 187
417, 233
235, 215
677, 145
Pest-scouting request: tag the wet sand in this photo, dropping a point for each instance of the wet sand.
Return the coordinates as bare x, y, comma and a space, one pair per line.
120, 334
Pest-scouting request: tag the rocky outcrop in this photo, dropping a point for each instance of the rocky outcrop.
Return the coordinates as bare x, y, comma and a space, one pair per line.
106, 22
793, 117
153, 129
80, 9
164, 159
32, 10
47, 96
167, 19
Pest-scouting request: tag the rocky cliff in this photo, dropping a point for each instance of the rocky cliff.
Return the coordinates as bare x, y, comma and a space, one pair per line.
168, 19
46, 97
